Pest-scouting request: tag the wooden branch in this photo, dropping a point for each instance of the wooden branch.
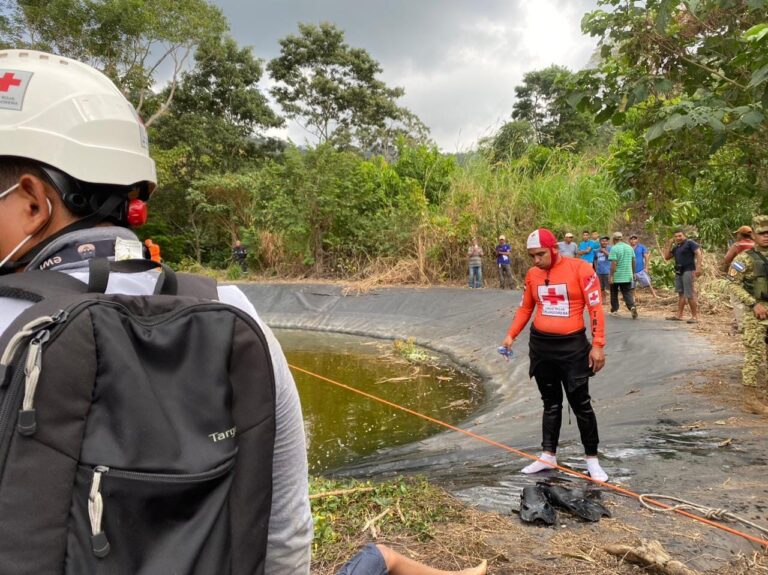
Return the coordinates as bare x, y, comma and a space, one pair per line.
371, 523
340, 492
174, 82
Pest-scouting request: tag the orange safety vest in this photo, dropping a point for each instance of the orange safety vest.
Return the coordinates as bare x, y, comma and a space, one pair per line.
154, 252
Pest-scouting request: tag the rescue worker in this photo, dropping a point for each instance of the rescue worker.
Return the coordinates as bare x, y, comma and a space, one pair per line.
153, 249
75, 170
748, 275
560, 289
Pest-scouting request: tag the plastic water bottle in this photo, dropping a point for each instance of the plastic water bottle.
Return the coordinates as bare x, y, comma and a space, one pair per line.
507, 353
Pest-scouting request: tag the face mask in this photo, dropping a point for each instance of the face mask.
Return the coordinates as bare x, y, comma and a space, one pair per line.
29, 237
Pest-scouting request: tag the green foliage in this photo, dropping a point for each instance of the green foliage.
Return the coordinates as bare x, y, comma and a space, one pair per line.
662, 272
546, 187
542, 102
234, 272
710, 54
426, 167
416, 507
408, 350
511, 141
333, 89
686, 81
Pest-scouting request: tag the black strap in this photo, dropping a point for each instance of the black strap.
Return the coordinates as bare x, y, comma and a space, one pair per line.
98, 275
99, 269
38, 285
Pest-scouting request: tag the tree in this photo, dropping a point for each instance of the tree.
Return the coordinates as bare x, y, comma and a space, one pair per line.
332, 89
131, 41
687, 83
701, 65
211, 132
541, 101
510, 142
218, 109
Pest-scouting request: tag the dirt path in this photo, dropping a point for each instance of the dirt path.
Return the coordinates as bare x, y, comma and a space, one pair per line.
673, 420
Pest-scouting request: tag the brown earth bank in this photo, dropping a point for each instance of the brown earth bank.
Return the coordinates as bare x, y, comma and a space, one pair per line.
460, 535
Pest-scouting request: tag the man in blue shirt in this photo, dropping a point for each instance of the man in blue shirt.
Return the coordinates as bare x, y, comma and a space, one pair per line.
587, 248
687, 256
642, 259
603, 265
504, 263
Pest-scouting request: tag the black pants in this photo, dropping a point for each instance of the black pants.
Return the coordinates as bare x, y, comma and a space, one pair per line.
549, 378
626, 294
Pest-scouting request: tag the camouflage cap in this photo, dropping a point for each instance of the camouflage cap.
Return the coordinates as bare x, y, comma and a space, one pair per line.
760, 224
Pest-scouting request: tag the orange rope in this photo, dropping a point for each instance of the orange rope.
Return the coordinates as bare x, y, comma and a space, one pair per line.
567, 470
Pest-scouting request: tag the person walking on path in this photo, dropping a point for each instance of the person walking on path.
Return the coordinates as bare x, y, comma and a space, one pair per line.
567, 247
687, 255
240, 255
622, 260
561, 357
642, 261
504, 263
748, 275
475, 262
603, 266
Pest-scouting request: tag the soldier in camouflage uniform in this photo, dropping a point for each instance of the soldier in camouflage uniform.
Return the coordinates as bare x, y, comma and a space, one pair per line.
749, 283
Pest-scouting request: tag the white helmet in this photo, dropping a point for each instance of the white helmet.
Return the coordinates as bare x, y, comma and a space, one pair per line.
68, 115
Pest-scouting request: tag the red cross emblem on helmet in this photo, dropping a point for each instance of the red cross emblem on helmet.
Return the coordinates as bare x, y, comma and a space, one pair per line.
7, 80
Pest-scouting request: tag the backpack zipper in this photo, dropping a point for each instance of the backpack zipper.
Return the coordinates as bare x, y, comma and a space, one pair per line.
33, 366
29, 329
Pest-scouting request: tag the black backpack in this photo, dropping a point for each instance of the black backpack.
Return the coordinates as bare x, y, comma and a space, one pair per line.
136, 432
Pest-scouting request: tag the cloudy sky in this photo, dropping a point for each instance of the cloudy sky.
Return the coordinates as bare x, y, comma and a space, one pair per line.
458, 60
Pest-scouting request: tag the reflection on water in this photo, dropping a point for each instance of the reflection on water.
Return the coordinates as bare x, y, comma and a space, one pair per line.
342, 425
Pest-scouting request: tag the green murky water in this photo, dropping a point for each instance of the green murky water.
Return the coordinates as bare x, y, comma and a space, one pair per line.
343, 426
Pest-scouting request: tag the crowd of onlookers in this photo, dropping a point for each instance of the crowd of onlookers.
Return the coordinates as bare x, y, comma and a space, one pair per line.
621, 267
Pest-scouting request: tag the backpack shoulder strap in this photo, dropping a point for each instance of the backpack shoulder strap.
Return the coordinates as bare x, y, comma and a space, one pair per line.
48, 291
36, 285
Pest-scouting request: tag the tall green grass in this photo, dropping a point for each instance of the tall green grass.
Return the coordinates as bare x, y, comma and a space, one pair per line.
563, 193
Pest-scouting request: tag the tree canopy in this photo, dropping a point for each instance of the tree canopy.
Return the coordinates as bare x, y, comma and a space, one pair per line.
333, 91
541, 101
131, 41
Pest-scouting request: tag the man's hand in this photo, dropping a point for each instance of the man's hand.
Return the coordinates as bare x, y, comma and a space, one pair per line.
508, 341
610, 279
596, 359
761, 312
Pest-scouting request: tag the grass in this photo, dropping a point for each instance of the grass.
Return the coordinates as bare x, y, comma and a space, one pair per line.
401, 509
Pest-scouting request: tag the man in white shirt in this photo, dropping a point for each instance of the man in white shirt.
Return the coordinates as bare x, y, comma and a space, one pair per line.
75, 172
